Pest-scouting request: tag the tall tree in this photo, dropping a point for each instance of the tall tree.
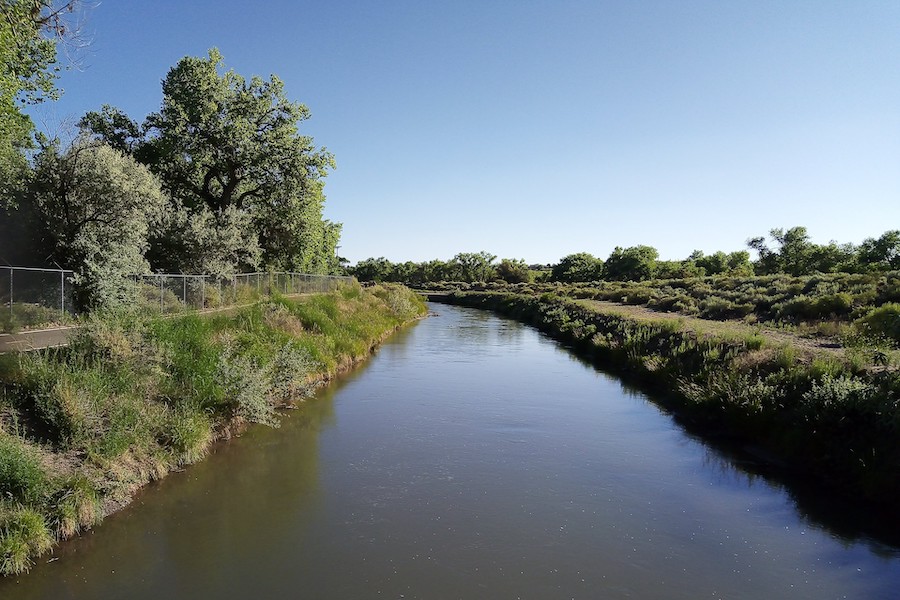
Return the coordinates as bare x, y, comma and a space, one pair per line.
29, 30
224, 141
226, 148
513, 270
881, 253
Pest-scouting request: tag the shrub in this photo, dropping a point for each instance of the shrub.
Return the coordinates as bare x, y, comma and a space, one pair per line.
245, 385
836, 398
188, 433
290, 371
883, 322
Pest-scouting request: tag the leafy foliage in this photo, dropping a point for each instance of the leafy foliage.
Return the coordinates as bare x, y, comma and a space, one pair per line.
245, 185
27, 76
577, 267
512, 270
631, 264
98, 207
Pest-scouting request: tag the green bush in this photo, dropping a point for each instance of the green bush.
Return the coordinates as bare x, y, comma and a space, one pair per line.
188, 433
883, 322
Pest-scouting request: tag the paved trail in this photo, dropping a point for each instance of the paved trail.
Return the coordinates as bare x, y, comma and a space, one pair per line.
55, 337
37, 339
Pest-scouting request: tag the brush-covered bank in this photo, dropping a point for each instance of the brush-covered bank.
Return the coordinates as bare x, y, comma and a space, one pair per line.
830, 416
131, 398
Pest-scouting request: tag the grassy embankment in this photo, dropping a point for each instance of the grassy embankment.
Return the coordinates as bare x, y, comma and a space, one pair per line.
82, 428
830, 413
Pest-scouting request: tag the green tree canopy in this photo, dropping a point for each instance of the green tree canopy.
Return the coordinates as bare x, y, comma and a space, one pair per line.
580, 266
230, 154
28, 33
881, 253
631, 264
373, 269
475, 266
796, 254
512, 270
224, 141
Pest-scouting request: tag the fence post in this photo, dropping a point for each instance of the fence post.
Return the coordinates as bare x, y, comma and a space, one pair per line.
10, 292
62, 294
160, 294
202, 292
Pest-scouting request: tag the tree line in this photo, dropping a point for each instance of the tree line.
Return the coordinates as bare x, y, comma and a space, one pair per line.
790, 251
219, 180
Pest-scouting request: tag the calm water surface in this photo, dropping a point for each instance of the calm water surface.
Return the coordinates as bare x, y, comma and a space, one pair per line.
471, 458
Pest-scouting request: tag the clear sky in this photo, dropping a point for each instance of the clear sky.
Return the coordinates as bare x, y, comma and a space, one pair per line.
537, 129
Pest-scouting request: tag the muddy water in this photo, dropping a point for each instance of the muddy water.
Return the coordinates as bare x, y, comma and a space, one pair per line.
470, 458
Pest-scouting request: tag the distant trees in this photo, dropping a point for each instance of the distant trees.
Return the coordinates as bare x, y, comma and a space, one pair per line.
719, 263
882, 253
474, 266
580, 266
793, 253
631, 264
513, 270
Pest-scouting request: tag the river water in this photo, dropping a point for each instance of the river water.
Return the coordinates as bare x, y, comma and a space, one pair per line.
470, 458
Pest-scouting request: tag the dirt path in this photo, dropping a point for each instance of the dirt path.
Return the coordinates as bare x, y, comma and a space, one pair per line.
701, 326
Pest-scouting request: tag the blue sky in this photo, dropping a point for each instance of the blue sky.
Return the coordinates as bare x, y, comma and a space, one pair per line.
537, 129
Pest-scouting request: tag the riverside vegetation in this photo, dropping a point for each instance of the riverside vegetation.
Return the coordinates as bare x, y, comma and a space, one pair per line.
829, 408
133, 397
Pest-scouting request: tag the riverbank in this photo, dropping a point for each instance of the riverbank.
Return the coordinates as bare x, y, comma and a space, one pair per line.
132, 398
815, 411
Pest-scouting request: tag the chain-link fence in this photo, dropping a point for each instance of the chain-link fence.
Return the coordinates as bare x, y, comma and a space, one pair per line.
169, 292
33, 297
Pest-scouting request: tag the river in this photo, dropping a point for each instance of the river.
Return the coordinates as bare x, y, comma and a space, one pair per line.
470, 458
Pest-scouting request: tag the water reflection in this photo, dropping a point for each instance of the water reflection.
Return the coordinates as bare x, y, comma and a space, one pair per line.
248, 492
820, 508
833, 513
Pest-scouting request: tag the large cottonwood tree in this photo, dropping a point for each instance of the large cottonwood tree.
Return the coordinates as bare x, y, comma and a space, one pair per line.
229, 150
